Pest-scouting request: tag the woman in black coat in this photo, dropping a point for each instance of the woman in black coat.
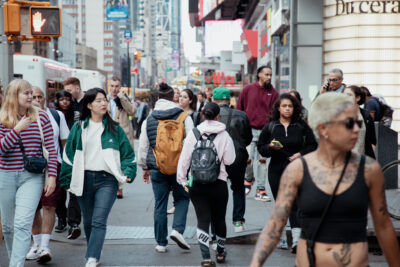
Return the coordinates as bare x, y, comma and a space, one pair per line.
285, 138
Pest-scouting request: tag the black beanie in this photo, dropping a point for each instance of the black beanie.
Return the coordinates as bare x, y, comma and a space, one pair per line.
210, 111
165, 91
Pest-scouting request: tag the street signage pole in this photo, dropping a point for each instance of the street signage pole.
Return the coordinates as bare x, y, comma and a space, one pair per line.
128, 39
6, 62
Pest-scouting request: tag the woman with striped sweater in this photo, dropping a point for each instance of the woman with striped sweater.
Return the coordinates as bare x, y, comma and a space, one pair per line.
20, 190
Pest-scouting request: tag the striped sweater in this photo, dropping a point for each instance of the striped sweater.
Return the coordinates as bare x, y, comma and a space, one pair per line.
10, 153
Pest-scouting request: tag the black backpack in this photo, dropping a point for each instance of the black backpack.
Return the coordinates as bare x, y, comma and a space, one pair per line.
205, 163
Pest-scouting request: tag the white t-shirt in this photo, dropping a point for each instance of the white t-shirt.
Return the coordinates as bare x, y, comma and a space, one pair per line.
113, 107
94, 160
61, 132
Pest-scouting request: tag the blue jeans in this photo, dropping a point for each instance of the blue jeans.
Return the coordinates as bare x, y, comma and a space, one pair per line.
99, 193
20, 193
161, 184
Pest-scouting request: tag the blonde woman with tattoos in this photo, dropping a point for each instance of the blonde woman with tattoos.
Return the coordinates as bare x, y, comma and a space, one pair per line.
341, 240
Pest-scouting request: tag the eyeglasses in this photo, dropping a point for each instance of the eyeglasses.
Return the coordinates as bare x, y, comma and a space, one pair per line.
333, 80
349, 123
99, 101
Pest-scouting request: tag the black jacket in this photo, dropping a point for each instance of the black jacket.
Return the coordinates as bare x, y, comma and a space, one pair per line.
370, 138
239, 130
298, 138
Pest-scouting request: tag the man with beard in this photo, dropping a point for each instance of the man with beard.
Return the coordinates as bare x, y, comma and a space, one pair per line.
256, 100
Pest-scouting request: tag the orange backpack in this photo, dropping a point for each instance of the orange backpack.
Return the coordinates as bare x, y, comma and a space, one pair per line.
169, 143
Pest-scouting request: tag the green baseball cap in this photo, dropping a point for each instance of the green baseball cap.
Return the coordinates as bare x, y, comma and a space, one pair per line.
221, 93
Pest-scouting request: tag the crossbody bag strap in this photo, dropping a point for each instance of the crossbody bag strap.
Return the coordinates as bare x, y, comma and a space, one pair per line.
44, 150
310, 243
228, 123
21, 146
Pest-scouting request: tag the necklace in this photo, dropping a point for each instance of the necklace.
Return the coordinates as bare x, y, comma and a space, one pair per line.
331, 166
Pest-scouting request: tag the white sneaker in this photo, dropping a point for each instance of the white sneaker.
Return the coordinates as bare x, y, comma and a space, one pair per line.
171, 210
33, 253
44, 256
161, 249
178, 238
238, 227
91, 262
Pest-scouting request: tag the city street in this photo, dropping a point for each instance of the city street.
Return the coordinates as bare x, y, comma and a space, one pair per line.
129, 239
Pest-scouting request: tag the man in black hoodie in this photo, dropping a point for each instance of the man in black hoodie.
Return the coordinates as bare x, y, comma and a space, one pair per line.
238, 127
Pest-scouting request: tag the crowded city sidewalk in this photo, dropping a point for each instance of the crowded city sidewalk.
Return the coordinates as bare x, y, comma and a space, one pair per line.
130, 236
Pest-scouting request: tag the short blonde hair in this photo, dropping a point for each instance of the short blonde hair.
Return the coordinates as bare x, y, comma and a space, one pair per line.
326, 107
9, 110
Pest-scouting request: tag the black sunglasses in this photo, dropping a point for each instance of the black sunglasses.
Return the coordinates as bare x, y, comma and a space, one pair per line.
349, 123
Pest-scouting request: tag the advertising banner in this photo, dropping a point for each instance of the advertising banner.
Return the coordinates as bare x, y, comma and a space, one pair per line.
117, 9
175, 60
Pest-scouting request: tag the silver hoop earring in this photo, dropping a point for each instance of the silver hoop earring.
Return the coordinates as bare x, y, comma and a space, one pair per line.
326, 137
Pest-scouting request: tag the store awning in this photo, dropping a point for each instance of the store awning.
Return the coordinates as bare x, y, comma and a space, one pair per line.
249, 40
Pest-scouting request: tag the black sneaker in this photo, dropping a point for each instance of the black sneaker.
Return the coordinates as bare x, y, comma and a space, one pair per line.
61, 226
74, 232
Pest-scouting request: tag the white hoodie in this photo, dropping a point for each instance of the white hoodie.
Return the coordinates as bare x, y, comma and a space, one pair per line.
223, 143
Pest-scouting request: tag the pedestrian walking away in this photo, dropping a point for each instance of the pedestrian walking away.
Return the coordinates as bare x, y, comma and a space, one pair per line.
256, 100
98, 158
120, 108
334, 188
206, 152
43, 226
160, 146
73, 86
239, 129
26, 134
285, 138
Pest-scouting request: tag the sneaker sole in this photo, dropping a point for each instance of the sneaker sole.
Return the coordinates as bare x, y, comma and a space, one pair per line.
74, 234
179, 243
32, 259
264, 200
239, 230
60, 230
44, 259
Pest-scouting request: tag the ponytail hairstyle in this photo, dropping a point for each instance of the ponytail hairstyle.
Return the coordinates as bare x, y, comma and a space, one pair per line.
89, 98
210, 111
193, 98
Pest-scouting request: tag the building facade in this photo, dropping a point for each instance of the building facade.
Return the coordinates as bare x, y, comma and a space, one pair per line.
103, 35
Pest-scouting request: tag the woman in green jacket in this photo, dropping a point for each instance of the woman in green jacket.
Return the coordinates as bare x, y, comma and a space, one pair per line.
98, 158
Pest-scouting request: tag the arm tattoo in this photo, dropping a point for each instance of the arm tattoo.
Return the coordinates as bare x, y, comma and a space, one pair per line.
271, 234
343, 258
383, 209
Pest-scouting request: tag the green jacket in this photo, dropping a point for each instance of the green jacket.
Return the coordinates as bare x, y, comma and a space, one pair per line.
116, 151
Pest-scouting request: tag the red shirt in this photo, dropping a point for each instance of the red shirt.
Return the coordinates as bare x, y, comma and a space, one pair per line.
257, 102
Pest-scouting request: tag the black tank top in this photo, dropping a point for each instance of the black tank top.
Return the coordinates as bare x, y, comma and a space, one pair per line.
346, 220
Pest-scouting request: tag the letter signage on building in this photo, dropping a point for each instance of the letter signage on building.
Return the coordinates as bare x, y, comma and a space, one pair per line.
362, 7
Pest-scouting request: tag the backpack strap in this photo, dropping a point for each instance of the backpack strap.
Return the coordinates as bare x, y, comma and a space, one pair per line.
211, 137
182, 117
55, 115
197, 133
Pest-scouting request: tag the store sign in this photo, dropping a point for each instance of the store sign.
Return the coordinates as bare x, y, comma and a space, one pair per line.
217, 78
364, 7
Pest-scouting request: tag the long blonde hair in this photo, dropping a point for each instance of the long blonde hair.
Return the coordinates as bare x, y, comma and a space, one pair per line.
9, 110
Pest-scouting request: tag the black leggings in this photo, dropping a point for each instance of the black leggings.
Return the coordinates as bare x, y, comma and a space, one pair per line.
274, 179
210, 201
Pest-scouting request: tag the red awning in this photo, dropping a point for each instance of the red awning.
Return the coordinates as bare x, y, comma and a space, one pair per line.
251, 48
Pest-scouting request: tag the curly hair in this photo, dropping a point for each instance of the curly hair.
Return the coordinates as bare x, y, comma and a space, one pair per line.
275, 114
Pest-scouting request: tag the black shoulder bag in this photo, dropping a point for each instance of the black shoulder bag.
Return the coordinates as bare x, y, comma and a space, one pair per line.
311, 243
33, 164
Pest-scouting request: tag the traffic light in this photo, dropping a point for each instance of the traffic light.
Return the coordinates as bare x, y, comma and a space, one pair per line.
12, 19
45, 21
137, 56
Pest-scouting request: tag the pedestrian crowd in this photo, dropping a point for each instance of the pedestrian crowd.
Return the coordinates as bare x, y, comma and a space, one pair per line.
321, 169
